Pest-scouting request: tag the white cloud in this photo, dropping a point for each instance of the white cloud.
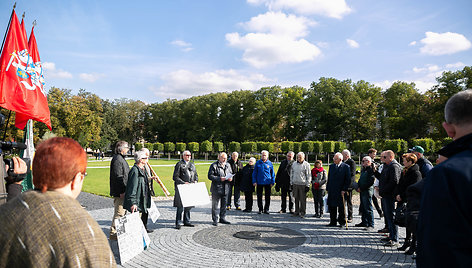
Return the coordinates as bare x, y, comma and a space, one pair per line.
428, 68
90, 77
276, 39
352, 43
384, 84
50, 71
184, 46
278, 23
184, 83
412, 43
444, 43
456, 65
329, 8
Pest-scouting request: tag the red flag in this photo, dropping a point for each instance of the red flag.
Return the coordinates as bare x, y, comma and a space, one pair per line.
23, 29
21, 78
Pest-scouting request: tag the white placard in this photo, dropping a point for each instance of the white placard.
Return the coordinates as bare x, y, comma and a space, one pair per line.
194, 194
132, 236
153, 212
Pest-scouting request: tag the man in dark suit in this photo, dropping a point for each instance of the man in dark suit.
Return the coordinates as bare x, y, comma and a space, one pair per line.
348, 195
339, 179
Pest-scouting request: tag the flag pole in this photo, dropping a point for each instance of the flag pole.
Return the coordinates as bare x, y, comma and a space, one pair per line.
8, 27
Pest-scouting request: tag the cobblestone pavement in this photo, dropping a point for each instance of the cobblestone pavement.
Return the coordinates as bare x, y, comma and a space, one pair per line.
285, 241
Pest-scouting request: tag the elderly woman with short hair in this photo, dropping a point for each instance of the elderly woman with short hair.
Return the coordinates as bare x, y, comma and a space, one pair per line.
138, 196
246, 184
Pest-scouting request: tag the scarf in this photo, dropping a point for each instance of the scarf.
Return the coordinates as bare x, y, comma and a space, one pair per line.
318, 170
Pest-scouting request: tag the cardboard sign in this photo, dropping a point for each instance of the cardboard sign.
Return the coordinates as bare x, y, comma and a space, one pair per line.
132, 236
194, 194
153, 212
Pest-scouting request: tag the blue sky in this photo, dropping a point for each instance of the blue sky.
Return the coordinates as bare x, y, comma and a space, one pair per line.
155, 50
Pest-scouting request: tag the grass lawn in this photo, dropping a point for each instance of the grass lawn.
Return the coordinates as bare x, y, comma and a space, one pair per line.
98, 175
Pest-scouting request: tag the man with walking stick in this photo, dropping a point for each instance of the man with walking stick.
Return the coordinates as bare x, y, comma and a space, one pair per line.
339, 179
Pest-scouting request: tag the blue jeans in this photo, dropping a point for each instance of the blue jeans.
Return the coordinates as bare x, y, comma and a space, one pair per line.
178, 217
388, 206
367, 209
237, 196
215, 199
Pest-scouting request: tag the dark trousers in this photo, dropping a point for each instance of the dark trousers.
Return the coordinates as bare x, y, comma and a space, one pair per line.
144, 218
237, 196
367, 209
284, 193
249, 200
388, 207
333, 212
266, 189
348, 201
376, 204
178, 217
215, 199
318, 195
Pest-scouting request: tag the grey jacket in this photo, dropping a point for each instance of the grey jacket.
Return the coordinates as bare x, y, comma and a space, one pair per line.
215, 173
183, 172
300, 174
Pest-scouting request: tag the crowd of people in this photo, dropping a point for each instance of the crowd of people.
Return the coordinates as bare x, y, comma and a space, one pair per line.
434, 204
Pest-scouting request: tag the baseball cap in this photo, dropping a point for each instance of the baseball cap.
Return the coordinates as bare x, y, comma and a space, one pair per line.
418, 149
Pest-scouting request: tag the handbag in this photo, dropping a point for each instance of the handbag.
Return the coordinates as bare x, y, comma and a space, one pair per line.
400, 215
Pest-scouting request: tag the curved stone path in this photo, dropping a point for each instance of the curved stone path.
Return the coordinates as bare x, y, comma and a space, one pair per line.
285, 241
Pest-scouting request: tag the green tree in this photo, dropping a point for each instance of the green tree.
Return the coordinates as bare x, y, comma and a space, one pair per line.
234, 146
206, 147
218, 146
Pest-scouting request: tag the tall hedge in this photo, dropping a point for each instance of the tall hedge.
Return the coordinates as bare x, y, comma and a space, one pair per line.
138, 146
427, 144
297, 147
397, 146
149, 146
307, 146
193, 147
234, 146
249, 147
286, 146
169, 147
328, 146
317, 147
206, 146
158, 146
218, 146
362, 146
339, 146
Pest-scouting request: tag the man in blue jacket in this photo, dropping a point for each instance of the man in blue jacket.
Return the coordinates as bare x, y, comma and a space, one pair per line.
263, 178
445, 220
339, 179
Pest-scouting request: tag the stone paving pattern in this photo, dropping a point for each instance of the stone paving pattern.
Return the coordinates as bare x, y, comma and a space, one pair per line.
321, 246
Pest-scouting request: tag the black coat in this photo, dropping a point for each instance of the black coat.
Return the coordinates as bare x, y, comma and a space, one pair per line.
389, 179
411, 176
413, 195
237, 170
183, 172
215, 173
246, 181
339, 179
119, 170
445, 219
352, 167
282, 179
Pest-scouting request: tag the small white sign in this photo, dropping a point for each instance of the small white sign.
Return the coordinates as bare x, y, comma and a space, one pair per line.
132, 236
194, 194
153, 212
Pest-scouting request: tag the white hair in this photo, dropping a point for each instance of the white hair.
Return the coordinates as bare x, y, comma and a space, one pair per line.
186, 152
367, 158
146, 150
290, 152
301, 153
346, 152
339, 155
252, 160
235, 153
221, 154
265, 151
139, 155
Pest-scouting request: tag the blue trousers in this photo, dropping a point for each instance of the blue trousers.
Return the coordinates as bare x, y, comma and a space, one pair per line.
367, 208
178, 217
388, 207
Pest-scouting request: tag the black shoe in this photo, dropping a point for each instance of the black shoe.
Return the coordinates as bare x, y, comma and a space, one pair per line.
383, 231
405, 245
189, 225
320, 216
331, 225
149, 231
266, 212
224, 221
316, 216
360, 225
247, 210
291, 211
178, 226
282, 211
390, 243
260, 212
215, 224
381, 215
385, 239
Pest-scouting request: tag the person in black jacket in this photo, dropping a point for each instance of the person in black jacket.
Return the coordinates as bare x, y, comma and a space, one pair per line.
184, 172
388, 181
366, 190
445, 218
119, 170
411, 174
237, 170
339, 179
348, 195
220, 185
282, 183
246, 184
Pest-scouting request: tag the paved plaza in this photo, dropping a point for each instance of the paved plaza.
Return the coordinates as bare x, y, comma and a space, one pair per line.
283, 241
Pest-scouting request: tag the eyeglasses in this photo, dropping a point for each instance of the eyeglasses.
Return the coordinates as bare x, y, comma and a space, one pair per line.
187, 155
365, 161
384, 156
144, 158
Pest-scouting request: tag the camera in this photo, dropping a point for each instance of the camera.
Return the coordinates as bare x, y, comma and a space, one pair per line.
7, 146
